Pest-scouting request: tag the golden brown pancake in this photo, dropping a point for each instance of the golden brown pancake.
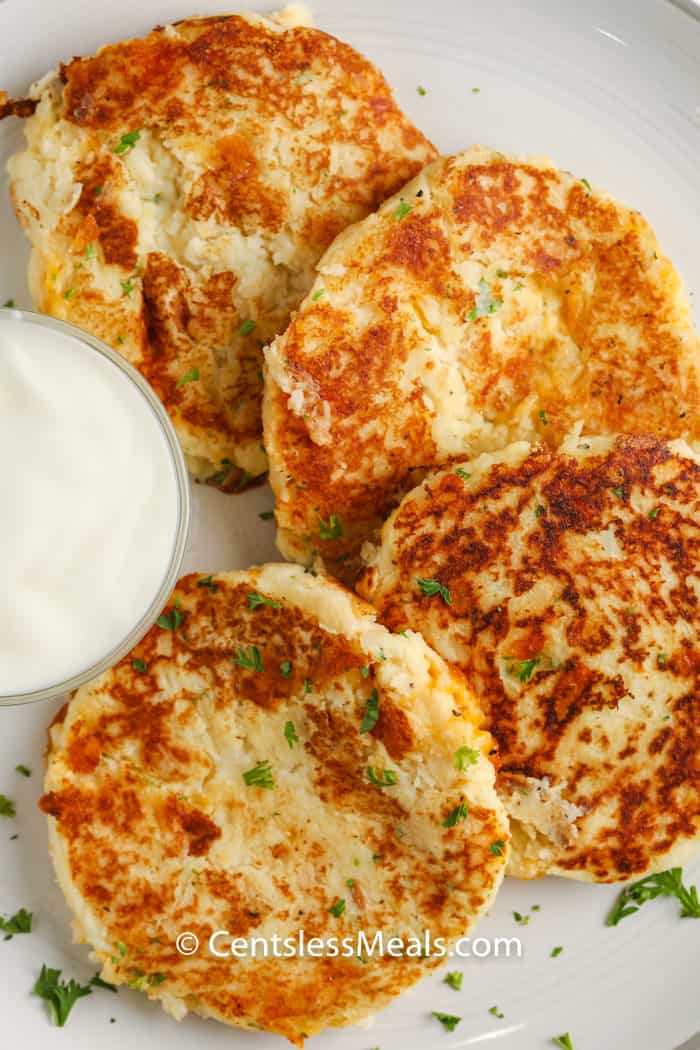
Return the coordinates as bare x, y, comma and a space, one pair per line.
565, 584
269, 760
493, 299
178, 191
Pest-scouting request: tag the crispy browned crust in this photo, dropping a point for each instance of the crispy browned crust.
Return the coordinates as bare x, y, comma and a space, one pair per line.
16, 107
367, 352
214, 89
617, 721
136, 789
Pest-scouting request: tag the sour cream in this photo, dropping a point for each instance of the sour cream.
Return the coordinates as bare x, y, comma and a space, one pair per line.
92, 505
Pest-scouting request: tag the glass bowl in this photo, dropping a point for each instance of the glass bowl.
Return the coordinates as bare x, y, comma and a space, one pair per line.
160, 598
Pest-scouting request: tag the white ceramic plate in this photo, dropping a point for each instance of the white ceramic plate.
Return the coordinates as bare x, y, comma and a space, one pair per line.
610, 90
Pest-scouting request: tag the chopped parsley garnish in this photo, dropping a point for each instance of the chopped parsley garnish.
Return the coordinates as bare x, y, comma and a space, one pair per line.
664, 884
20, 922
402, 210
587, 184
173, 620
127, 287
370, 713
539, 510
255, 600
285, 668
421, 90
260, 776
331, 529
475, 91
448, 1021
139, 665
523, 669
69, 293
189, 377
338, 908
661, 658
60, 995
7, 807
462, 474
496, 1012
432, 587
308, 686
497, 847
90, 251
25, 771
556, 951
9, 304
221, 475
317, 295
522, 920
127, 142
485, 303
465, 756
290, 734
250, 661
543, 416
97, 982
248, 326
460, 812
563, 1041
266, 515
619, 491
501, 273
364, 671
654, 513
381, 777
454, 979
208, 582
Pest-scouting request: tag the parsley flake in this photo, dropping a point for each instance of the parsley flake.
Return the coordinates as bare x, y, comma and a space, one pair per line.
432, 587
587, 184
402, 211
448, 1021
496, 1012
173, 620
465, 756
139, 665
266, 515
317, 295
127, 142
460, 812
370, 713
255, 600
523, 669
462, 474
25, 771
454, 979
248, 326
7, 807
556, 951
20, 922
9, 304
285, 668
381, 777
127, 287
338, 908
208, 582
543, 416
421, 90
653, 514
563, 1041
189, 377
290, 734
250, 661
260, 776
332, 529
497, 847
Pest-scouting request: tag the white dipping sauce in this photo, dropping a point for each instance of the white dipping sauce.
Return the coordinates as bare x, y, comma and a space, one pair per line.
88, 507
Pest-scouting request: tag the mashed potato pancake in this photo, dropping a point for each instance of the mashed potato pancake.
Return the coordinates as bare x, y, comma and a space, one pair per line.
566, 585
270, 760
493, 299
178, 191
